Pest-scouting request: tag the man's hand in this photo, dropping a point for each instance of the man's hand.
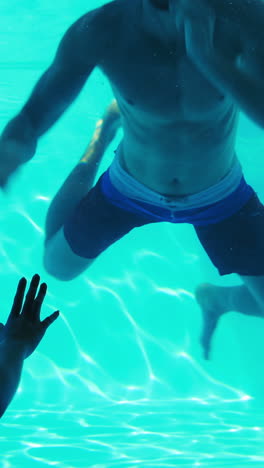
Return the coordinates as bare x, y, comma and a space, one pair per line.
23, 325
197, 20
189, 7
199, 38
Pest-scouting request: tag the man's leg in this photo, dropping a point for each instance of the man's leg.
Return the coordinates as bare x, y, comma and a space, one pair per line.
81, 179
59, 260
215, 301
233, 245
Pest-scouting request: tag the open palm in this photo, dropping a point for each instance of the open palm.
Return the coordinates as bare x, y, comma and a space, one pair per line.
23, 324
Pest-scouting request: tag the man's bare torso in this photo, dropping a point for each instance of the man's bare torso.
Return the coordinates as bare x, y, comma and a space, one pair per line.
179, 130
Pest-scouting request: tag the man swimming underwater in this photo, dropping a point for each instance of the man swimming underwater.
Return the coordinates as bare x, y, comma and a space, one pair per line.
180, 71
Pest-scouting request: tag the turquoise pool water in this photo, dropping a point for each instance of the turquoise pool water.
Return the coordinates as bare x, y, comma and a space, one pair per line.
119, 380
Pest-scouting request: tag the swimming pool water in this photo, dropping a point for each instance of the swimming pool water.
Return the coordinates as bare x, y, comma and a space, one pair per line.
119, 380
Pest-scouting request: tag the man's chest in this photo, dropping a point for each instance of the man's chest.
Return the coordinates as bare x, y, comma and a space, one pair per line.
162, 80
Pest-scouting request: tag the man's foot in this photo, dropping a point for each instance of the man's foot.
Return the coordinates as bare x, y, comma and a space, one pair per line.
212, 303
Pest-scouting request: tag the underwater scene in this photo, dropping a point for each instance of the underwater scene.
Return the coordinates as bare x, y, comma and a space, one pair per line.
140, 368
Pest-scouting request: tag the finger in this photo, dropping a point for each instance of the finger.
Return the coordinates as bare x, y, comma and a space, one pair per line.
49, 320
3, 181
18, 299
4, 186
36, 308
29, 302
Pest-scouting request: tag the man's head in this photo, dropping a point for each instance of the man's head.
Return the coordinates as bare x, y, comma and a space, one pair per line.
160, 4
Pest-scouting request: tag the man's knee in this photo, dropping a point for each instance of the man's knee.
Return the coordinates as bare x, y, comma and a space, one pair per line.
57, 271
60, 261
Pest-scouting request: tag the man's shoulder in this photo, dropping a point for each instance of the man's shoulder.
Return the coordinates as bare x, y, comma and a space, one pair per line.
94, 32
105, 18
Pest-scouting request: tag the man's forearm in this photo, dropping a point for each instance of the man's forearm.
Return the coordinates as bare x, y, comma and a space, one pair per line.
248, 14
19, 128
20, 133
11, 363
246, 91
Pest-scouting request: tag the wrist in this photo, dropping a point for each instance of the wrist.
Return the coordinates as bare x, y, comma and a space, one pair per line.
20, 138
13, 347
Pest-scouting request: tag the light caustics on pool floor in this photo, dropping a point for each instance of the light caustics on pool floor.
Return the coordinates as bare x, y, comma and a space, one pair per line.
132, 435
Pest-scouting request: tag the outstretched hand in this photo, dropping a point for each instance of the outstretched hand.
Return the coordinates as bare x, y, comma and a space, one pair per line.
23, 324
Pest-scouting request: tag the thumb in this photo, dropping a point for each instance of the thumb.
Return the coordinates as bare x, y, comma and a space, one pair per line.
1, 328
49, 320
4, 184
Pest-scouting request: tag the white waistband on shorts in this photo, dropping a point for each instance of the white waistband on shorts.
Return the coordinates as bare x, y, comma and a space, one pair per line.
131, 188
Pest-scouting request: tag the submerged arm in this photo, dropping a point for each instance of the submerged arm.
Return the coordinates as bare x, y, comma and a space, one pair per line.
57, 87
239, 74
77, 55
104, 133
238, 79
12, 356
247, 14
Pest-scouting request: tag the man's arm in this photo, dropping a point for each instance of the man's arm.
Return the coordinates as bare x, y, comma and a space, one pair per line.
240, 77
81, 178
104, 133
20, 336
78, 53
247, 14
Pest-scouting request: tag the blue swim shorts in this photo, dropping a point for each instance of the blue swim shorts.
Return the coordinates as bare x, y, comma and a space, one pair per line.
231, 230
